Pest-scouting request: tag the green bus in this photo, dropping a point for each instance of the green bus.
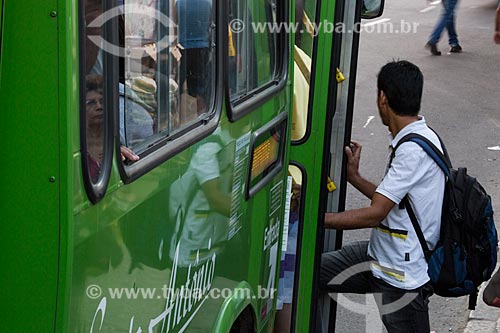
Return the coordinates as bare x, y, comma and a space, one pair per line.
169, 161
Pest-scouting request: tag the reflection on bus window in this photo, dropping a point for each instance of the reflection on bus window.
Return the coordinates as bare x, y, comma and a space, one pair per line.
201, 201
301, 90
252, 54
168, 72
305, 16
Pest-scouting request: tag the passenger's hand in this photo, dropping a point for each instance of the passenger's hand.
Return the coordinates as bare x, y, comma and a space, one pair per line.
128, 154
496, 37
353, 153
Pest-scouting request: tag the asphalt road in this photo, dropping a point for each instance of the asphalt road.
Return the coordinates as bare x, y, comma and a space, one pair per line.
461, 101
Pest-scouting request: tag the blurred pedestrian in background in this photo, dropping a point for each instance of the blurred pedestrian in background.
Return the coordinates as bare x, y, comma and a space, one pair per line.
446, 21
496, 36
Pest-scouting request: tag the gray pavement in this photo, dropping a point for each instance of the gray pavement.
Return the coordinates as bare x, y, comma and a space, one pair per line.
461, 101
484, 318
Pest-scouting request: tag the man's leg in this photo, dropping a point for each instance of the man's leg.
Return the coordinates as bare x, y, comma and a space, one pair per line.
403, 310
441, 25
346, 270
450, 23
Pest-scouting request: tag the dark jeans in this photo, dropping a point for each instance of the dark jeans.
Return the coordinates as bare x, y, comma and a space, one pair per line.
349, 268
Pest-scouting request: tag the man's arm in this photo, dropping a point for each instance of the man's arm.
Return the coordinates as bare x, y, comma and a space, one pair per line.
364, 186
353, 153
496, 36
368, 217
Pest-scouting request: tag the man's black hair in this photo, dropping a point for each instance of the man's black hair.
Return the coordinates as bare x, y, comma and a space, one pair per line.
402, 82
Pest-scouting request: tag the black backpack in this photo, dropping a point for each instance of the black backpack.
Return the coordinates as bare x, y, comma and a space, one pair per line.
466, 253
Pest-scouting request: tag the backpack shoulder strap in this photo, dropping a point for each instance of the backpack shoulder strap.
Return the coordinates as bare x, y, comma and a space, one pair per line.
442, 160
445, 151
416, 226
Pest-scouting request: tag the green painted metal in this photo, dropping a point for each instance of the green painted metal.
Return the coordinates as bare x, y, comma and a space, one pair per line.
310, 155
30, 168
1, 16
231, 309
69, 129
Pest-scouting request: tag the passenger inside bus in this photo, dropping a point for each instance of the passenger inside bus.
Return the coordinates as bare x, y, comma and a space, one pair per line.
163, 84
138, 102
94, 121
94, 116
167, 70
94, 100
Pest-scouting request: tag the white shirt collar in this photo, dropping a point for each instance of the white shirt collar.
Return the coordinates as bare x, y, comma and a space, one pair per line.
410, 128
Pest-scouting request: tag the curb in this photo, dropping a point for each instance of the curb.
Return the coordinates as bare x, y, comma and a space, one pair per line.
484, 318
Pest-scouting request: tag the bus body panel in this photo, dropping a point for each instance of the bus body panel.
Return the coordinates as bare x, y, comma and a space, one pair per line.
31, 181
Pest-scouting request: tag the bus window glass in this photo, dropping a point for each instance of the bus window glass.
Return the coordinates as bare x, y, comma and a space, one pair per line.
167, 78
92, 94
305, 16
252, 46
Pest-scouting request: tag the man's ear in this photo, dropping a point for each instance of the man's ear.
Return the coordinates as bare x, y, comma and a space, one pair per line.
382, 98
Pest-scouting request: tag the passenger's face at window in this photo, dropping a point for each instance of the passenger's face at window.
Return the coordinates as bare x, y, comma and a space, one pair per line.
94, 108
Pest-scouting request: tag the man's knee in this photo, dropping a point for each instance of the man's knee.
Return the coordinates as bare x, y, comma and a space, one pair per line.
327, 270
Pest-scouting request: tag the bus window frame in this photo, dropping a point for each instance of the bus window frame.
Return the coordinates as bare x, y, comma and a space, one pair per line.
95, 191
276, 167
162, 150
298, 253
262, 94
312, 82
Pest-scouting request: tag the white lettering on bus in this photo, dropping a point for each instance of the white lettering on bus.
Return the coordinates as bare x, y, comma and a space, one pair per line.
271, 234
179, 301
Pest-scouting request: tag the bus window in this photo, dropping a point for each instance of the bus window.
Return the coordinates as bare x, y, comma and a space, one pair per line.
96, 139
94, 109
165, 83
305, 16
168, 73
252, 47
266, 154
